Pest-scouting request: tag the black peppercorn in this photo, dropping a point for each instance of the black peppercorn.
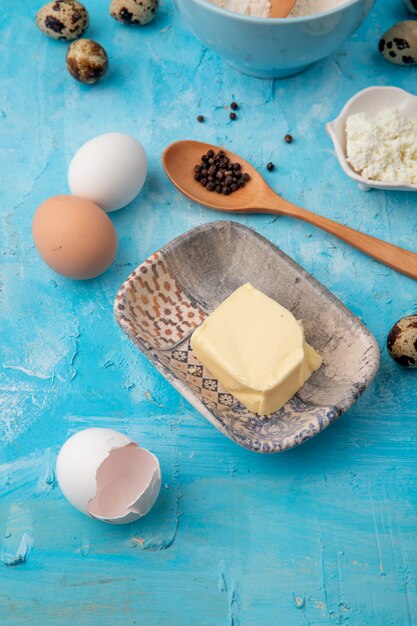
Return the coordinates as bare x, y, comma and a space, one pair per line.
217, 173
234, 106
288, 138
233, 116
200, 118
270, 167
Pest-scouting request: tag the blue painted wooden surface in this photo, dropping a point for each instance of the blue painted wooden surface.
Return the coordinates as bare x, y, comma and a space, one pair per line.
324, 534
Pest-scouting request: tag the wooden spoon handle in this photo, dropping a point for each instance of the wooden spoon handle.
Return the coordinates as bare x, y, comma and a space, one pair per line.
280, 8
403, 261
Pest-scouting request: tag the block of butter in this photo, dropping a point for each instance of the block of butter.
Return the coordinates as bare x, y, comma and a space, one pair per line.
256, 349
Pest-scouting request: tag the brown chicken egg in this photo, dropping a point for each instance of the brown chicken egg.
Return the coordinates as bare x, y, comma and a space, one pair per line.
74, 236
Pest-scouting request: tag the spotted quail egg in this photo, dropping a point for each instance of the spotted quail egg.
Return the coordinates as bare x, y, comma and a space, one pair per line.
411, 5
87, 61
62, 19
134, 11
402, 341
399, 44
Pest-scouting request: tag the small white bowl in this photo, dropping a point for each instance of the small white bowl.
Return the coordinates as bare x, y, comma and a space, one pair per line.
371, 100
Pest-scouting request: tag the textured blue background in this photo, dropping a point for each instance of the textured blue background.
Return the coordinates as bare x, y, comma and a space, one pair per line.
323, 534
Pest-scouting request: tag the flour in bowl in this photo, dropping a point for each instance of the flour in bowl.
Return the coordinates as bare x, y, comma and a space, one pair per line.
255, 8
309, 7
260, 8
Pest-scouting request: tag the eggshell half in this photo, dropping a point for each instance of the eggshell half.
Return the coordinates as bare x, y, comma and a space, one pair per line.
106, 475
128, 484
110, 170
74, 236
78, 462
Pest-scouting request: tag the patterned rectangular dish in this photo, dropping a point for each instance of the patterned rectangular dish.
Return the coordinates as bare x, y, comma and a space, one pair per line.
174, 290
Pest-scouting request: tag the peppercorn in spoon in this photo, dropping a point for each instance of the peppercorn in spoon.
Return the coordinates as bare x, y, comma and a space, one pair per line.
256, 196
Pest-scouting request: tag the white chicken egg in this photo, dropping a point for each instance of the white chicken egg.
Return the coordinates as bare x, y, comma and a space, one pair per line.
106, 475
110, 170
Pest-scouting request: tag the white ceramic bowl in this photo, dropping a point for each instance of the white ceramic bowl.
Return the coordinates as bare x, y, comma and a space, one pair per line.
371, 100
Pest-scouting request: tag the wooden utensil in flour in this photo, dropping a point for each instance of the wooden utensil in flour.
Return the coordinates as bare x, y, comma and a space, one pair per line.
180, 158
280, 8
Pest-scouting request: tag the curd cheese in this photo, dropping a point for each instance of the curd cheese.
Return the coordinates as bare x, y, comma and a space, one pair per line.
383, 147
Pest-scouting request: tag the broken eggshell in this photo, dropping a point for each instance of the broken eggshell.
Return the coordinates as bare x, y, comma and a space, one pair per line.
106, 475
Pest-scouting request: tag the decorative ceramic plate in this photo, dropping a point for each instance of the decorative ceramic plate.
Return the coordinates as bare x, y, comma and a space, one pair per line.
173, 291
372, 100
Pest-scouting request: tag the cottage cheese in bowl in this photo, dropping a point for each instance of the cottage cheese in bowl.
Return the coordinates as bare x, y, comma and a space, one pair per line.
260, 8
383, 147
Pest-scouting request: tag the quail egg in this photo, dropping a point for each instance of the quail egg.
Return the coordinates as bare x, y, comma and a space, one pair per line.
411, 5
399, 44
62, 19
87, 61
134, 11
402, 341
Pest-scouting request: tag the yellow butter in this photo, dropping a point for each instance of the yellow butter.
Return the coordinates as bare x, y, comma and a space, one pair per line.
256, 349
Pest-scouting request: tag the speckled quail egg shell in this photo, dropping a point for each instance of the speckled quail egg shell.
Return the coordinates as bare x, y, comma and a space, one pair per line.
87, 61
402, 341
411, 5
134, 11
62, 19
106, 475
399, 44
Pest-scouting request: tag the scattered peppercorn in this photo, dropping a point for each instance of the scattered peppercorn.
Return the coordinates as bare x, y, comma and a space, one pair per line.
217, 173
288, 138
200, 118
234, 106
270, 167
233, 116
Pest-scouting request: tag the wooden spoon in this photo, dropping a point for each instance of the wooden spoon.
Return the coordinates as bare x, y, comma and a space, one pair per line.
280, 8
180, 158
